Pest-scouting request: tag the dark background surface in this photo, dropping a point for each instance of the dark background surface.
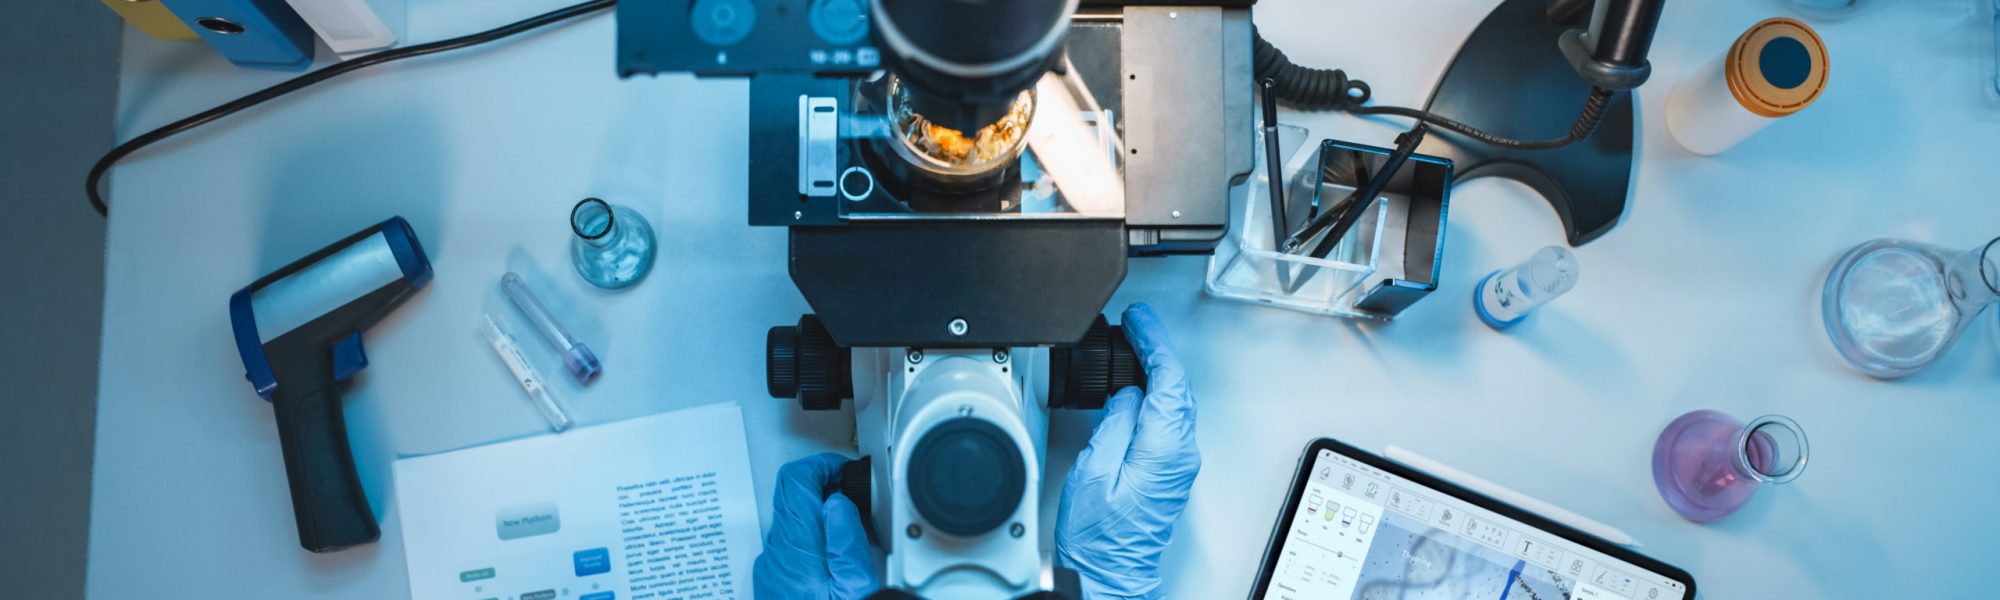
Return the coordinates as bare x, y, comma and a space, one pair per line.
58, 88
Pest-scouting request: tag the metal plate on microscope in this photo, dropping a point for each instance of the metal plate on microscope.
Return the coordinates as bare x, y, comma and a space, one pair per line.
1174, 90
1093, 48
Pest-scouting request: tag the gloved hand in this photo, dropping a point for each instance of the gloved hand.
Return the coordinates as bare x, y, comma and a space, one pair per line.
1131, 483
817, 548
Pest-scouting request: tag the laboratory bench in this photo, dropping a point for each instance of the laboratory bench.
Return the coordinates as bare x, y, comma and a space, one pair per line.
1705, 295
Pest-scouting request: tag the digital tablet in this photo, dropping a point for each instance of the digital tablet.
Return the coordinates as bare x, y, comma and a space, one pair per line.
1357, 526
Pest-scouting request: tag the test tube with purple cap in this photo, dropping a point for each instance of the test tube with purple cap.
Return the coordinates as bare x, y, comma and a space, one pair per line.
577, 358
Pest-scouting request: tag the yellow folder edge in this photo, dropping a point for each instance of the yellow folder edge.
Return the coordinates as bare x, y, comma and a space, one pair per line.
152, 18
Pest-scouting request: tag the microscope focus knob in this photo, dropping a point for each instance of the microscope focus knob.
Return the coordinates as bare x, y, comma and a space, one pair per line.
781, 362
803, 362
857, 483
1085, 375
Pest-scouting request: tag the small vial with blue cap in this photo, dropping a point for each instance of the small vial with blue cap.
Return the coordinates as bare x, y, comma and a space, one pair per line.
1505, 296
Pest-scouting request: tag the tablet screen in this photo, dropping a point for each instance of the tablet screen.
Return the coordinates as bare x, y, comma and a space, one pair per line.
1360, 532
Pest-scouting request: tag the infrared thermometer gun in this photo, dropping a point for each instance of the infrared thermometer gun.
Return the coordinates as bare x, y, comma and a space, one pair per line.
299, 331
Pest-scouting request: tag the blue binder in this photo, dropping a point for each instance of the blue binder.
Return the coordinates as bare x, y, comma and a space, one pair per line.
259, 34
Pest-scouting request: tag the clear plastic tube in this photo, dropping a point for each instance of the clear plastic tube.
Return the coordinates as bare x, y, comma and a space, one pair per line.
577, 357
531, 382
1506, 295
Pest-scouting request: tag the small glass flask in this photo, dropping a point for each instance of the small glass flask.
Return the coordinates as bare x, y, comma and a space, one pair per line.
1707, 464
613, 248
1892, 307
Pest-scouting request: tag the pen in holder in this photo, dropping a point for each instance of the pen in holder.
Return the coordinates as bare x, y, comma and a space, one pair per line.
1388, 260
1331, 226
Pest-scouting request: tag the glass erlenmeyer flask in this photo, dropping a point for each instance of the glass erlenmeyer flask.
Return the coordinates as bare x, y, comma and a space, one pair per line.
1707, 464
1893, 307
613, 247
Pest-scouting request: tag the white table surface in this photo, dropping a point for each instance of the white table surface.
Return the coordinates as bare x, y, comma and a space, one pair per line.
1705, 296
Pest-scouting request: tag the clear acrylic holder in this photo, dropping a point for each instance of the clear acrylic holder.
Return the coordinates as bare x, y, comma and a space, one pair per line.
1249, 267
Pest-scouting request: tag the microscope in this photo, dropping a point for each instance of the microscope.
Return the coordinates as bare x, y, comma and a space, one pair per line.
962, 183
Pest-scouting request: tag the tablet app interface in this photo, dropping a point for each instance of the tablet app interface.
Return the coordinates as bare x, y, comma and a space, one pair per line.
1361, 533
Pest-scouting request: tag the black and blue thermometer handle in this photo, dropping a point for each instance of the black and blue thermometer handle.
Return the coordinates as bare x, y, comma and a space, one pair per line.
299, 332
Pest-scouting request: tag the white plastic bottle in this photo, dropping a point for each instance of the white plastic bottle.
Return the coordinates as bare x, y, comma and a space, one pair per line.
1775, 69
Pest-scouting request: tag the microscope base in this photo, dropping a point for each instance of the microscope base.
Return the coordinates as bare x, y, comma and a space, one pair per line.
1510, 78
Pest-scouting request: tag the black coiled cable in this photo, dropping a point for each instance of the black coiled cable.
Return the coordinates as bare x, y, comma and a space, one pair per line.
1331, 89
94, 180
1307, 87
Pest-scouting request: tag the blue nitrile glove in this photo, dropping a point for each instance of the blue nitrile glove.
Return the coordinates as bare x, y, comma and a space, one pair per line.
817, 548
1132, 481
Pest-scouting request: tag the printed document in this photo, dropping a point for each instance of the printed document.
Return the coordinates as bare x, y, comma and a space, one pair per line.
650, 508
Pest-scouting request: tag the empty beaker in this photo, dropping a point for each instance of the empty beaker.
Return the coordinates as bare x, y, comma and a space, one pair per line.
1893, 307
613, 248
1707, 464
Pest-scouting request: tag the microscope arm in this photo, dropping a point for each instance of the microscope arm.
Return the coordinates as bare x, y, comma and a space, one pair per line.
1611, 52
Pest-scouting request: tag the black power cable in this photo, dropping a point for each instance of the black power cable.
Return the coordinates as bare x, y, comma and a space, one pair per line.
1324, 89
97, 171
